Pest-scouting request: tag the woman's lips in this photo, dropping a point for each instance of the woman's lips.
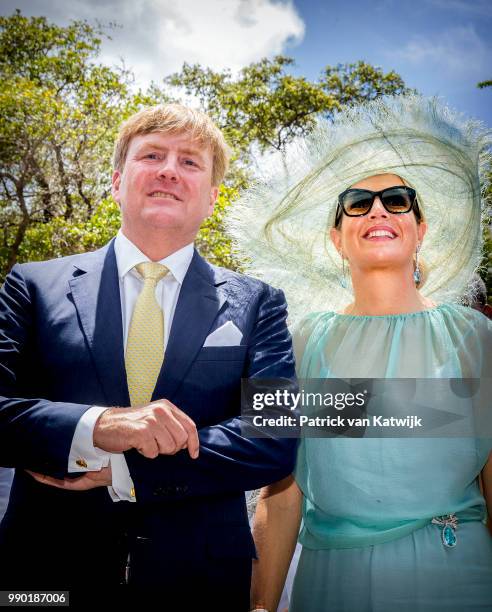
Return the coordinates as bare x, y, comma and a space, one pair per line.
380, 233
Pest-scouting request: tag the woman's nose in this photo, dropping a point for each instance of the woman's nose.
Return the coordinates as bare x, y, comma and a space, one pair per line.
378, 210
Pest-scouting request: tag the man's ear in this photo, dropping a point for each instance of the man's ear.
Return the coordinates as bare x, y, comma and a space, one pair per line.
336, 238
115, 185
214, 194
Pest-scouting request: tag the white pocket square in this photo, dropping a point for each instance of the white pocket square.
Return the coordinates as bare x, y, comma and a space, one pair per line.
226, 335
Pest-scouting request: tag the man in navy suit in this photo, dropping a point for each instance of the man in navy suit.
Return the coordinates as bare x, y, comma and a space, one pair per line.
109, 492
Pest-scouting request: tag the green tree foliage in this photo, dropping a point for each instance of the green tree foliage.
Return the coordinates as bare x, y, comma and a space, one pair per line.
265, 107
486, 268
212, 242
261, 105
62, 237
354, 83
58, 114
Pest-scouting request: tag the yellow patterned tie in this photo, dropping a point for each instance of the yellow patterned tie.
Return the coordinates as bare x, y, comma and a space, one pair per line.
145, 344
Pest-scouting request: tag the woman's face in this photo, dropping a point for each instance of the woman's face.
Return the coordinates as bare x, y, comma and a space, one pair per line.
379, 239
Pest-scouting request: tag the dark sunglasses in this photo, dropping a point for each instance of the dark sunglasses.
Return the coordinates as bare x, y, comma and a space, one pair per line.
396, 200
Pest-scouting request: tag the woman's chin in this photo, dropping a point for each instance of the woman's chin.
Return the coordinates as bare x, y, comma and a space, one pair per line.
384, 264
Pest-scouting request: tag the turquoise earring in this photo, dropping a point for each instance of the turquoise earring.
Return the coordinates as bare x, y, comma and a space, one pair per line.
417, 276
343, 279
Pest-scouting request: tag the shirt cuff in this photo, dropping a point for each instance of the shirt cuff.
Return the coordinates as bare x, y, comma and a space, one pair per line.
122, 488
84, 456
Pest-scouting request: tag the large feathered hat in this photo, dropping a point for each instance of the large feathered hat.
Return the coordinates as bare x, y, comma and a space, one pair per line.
280, 226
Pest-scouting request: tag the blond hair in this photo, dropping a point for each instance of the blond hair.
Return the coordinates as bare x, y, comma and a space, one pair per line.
174, 119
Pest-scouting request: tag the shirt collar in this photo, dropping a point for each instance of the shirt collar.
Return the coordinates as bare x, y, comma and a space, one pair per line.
128, 256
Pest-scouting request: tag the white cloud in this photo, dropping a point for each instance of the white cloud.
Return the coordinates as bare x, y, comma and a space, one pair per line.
459, 52
159, 35
229, 33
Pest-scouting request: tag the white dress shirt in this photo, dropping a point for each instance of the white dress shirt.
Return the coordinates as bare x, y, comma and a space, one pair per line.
84, 456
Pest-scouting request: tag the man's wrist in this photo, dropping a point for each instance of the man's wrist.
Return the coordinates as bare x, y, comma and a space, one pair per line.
108, 433
97, 427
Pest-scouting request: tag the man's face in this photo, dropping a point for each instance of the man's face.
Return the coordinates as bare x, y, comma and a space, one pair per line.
166, 184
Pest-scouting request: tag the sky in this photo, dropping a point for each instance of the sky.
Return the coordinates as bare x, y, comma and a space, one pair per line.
439, 47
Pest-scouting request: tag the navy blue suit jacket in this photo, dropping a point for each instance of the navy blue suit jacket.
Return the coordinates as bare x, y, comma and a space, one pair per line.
61, 351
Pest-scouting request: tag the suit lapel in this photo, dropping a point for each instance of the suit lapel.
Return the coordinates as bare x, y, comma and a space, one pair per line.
198, 306
96, 296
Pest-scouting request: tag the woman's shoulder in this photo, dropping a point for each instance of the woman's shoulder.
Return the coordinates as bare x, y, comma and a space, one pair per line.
306, 325
308, 329
466, 316
471, 334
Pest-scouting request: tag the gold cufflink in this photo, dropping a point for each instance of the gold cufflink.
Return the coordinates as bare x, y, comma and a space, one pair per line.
81, 463
132, 492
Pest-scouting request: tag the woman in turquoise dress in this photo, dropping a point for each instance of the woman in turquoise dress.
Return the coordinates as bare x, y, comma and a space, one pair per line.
386, 523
